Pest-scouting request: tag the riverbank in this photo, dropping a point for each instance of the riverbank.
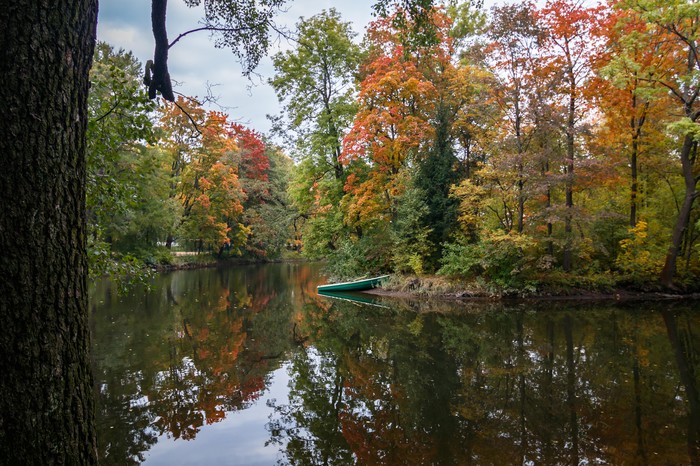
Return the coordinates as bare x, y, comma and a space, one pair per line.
431, 287
190, 261
559, 288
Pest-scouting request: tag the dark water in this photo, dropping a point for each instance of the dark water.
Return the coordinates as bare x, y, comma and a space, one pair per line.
248, 365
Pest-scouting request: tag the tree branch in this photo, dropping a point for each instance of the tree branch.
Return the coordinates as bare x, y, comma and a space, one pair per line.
189, 117
213, 28
114, 107
160, 81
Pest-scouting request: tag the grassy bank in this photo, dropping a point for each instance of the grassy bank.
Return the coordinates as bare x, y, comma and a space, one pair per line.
556, 286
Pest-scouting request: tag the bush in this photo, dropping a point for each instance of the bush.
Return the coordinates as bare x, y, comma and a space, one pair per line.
638, 259
154, 257
368, 255
505, 259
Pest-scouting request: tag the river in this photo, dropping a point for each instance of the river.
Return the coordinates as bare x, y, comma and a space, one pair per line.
250, 366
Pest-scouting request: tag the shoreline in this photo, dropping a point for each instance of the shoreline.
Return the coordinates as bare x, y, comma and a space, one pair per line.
423, 288
439, 288
212, 262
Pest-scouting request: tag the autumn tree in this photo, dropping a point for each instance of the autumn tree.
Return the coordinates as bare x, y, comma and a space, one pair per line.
263, 172
570, 44
416, 106
208, 186
230, 183
276, 214
632, 140
631, 102
391, 128
515, 38
438, 166
671, 29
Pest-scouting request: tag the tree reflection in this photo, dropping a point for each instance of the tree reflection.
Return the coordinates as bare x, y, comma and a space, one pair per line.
405, 384
511, 386
686, 356
309, 424
170, 361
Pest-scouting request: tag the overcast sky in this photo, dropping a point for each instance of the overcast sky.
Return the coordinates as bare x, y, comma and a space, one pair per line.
194, 60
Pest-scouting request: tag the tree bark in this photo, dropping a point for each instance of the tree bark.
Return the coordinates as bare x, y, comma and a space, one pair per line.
46, 408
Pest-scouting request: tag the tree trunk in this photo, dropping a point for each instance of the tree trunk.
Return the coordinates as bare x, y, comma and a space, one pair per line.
520, 164
636, 124
669, 271
46, 408
634, 186
569, 215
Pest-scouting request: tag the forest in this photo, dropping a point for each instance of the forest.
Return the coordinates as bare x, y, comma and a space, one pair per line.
515, 147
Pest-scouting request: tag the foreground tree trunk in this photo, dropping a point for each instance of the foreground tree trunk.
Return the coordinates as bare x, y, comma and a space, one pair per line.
46, 407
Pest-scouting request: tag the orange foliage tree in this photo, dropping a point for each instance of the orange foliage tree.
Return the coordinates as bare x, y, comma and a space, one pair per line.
391, 126
205, 176
566, 54
632, 105
400, 145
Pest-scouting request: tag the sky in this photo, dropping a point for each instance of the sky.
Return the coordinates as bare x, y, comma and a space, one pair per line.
194, 61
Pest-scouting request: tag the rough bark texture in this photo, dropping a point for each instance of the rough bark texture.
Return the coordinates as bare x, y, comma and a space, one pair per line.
46, 407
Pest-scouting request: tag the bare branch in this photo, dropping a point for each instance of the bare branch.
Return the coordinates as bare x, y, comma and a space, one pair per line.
214, 29
114, 107
189, 117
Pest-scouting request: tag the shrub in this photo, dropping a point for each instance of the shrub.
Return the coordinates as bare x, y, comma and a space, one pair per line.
637, 258
506, 259
357, 258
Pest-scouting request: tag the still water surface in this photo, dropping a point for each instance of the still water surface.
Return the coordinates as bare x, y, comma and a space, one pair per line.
250, 366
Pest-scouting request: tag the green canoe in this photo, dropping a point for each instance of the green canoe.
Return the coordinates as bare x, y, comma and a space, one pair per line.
354, 297
357, 285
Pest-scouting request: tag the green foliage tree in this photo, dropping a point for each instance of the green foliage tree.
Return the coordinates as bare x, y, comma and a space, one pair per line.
411, 232
122, 216
436, 174
315, 82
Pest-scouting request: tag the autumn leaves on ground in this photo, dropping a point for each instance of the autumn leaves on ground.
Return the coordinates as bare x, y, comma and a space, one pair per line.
516, 149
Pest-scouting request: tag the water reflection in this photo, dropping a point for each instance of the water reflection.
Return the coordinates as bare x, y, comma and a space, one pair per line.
393, 384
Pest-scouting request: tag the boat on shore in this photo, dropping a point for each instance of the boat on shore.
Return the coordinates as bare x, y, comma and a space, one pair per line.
356, 285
